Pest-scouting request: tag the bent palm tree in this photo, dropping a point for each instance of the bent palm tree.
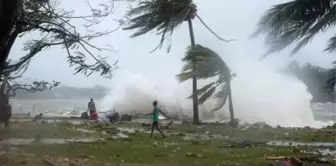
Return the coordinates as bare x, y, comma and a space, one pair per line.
298, 21
208, 64
164, 16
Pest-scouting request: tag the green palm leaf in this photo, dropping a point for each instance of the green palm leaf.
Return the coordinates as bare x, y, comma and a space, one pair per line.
204, 63
297, 21
161, 16
204, 89
221, 96
206, 95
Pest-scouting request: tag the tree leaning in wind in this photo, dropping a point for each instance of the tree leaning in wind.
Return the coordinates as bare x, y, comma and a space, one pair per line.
204, 63
298, 22
55, 28
164, 16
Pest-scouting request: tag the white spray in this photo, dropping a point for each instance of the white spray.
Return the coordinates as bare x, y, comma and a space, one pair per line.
260, 93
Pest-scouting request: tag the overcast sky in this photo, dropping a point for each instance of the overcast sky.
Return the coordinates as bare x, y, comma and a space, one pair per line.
230, 19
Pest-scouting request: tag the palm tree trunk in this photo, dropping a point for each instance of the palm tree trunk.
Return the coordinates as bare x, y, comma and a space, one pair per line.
232, 119
194, 79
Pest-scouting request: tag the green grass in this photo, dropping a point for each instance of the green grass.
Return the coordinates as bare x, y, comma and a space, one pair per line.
140, 150
172, 151
31, 130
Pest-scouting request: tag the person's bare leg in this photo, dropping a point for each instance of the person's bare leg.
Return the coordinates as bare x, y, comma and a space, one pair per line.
157, 128
152, 130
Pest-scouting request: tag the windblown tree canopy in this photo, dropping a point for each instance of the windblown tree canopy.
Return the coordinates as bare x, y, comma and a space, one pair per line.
55, 28
162, 16
13, 87
314, 78
298, 22
208, 65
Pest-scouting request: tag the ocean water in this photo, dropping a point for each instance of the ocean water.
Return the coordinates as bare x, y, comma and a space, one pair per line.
324, 113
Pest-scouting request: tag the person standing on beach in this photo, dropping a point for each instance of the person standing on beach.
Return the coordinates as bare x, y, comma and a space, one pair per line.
91, 107
155, 113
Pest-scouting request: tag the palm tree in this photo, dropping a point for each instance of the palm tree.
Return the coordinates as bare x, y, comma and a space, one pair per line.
203, 63
299, 21
164, 16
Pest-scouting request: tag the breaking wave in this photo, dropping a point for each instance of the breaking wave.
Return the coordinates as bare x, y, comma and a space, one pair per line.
271, 97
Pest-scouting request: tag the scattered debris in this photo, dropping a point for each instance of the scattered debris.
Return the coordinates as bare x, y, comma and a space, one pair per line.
295, 143
47, 162
114, 117
84, 115
297, 161
85, 130
259, 125
285, 161
188, 154
126, 117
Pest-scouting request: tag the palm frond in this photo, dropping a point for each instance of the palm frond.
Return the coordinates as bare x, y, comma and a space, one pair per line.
206, 95
204, 63
297, 21
185, 76
204, 89
331, 47
161, 16
221, 97
143, 7
213, 32
205, 60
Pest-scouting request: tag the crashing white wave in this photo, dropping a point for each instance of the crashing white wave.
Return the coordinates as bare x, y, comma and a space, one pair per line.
273, 98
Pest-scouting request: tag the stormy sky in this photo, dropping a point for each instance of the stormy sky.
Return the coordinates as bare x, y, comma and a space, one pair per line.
230, 19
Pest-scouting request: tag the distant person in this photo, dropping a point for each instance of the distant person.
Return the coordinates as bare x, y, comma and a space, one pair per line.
155, 113
91, 107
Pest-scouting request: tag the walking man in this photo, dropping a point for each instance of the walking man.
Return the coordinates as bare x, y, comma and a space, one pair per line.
155, 113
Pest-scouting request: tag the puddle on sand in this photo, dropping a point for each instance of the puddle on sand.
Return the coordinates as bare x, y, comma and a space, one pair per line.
85, 130
131, 130
294, 143
204, 137
48, 141
73, 122
148, 120
119, 136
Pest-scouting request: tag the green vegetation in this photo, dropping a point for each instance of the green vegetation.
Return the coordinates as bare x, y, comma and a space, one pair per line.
164, 17
25, 130
140, 150
298, 22
203, 63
